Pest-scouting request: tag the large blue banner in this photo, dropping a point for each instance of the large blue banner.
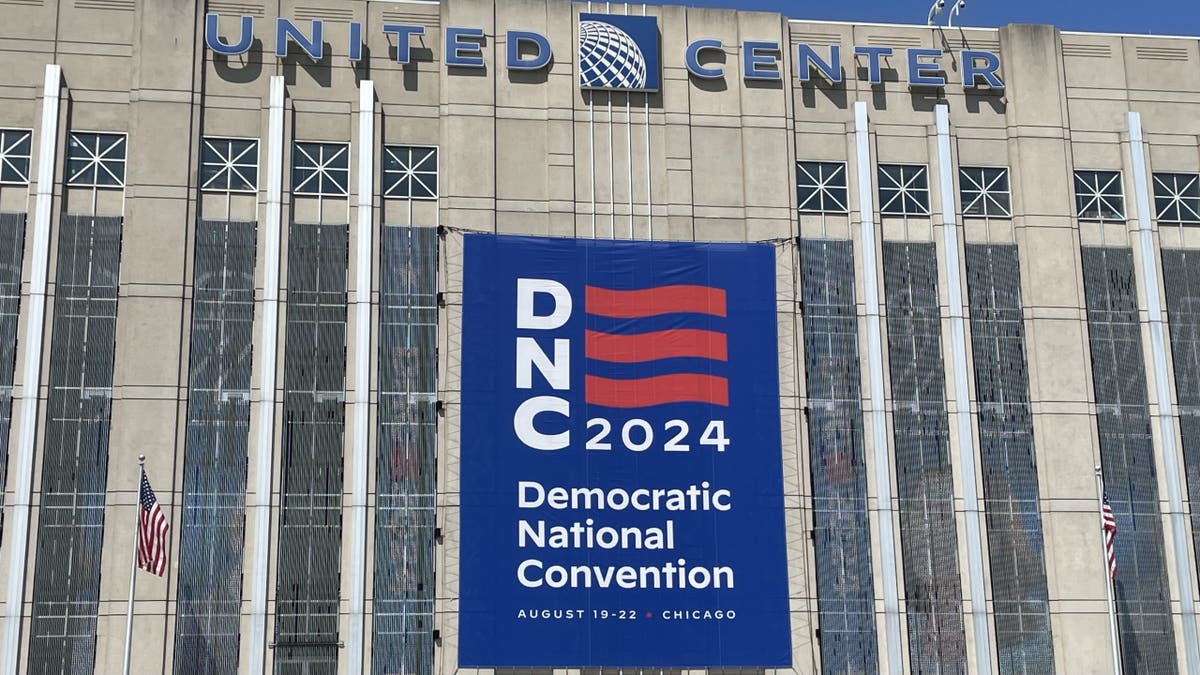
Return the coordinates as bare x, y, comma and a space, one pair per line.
621, 479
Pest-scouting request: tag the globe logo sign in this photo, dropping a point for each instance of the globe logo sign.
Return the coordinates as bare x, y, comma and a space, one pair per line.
618, 52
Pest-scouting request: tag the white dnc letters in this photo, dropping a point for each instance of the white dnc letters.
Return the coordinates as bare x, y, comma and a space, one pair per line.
530, 355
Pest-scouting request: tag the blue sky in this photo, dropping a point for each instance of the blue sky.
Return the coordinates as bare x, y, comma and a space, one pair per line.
1161, 17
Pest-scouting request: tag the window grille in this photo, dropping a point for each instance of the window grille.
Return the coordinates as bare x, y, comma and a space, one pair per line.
985, 191
1177, 198
16, 148
821, 187
903, 190
12, 249
321, 169
96, 160
410, 172
1099, 195
229, 165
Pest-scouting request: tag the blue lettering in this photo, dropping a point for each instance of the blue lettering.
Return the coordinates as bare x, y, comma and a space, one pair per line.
758, 54
973, 70
355, 41
462, 50
691, 58
213, 39
286, 30
807, 58
403, 35
516, 38
922, 73
873, 54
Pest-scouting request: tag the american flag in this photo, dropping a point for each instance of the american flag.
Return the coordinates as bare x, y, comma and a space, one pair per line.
1110, 535
152, 532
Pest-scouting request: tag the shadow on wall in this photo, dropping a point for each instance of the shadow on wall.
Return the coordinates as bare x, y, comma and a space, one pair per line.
320, 71
243, 68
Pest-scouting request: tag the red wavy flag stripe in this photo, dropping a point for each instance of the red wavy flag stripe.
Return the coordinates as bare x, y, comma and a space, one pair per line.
662, 344
647, 391
654, 301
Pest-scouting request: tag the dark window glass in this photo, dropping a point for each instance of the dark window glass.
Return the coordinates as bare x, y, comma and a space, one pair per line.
96, 160
314, 412
321, 169
985, 191
410, 172
16, 147
228, 165
1177, 198
1127, 457
213, 513
12, 248
1010, 482
928, 533
903, 189
70, 518
821, 187
1181, 272
841, 533
1099, 195
406, 463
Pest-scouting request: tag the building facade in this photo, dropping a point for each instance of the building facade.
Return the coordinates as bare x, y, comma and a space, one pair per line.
235, 245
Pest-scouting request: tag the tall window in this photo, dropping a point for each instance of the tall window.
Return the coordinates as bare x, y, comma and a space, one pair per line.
1099, 195
314, 418
1010, 481
1177, 198
405, 460
70, 519
229, 165
1127, 458
903, 189
321, 169
985, 191
212, 522
821, 187
841, 533
928, 531
96, 160
12, 248
16, 148
410, 172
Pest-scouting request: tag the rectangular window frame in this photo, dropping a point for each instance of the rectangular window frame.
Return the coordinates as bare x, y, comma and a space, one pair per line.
822, 192
386, 184
984, 195
320, 172
69, 177
1179, 201
900, 191
1099, 197
253, 189
9, 161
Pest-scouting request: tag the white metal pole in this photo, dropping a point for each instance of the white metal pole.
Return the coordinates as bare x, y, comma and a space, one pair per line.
137, 540
1108, 580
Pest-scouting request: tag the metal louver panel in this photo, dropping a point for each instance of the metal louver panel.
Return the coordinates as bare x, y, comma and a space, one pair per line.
845, 589
1127, 457
1181, 272
314, 421
66, 581
213, 521
928, 533
406, 460
1010, 483
12, 249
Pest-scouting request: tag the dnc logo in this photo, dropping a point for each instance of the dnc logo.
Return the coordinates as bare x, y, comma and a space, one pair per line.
618, 52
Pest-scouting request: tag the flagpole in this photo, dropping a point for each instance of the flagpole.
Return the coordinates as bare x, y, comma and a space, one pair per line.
137, 529
1108, 580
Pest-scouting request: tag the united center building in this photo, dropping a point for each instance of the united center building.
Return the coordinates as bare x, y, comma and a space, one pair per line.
255, 242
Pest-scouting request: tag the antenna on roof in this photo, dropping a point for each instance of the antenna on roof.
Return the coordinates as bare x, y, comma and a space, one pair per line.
954, 11
935, 9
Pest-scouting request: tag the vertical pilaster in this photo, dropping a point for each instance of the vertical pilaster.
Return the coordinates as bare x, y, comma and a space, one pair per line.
879, 435
962, 403
265, 443
10, 648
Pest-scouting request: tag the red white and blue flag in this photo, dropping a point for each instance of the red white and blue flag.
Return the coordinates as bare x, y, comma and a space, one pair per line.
152, 531
1110, 535
637, 337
